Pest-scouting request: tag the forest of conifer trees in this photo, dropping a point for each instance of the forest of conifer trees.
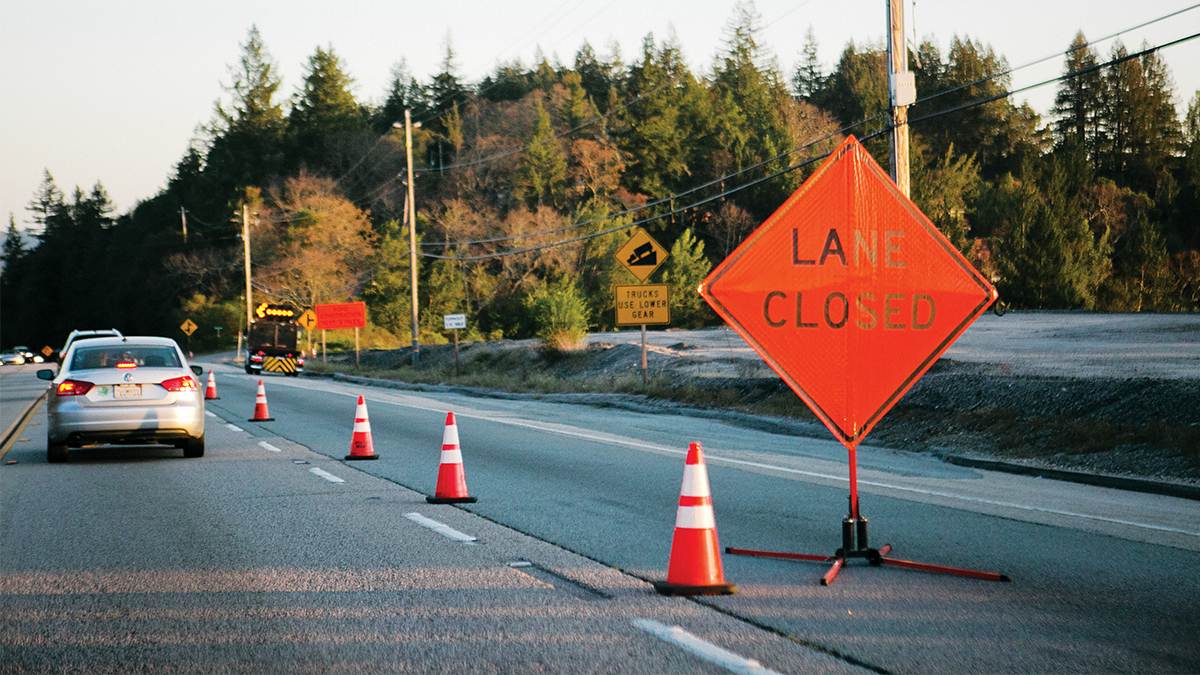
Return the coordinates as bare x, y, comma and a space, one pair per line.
529, 180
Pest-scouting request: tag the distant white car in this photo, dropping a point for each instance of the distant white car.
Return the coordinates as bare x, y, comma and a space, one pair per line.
12, 358
29, 354
127, 390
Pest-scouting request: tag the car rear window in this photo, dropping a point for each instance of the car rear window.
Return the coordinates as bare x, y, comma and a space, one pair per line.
125, 356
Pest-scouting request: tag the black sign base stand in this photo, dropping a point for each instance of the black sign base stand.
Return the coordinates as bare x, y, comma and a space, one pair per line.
856, 529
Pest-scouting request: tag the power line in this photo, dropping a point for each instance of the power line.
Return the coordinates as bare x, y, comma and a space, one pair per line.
793, 167
1053, 56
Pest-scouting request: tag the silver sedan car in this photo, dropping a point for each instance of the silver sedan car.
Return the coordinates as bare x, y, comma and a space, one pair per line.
127, 390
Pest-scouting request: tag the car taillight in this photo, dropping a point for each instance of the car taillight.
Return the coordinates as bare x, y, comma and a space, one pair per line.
127, 364
185, 383
73, 388
300, 361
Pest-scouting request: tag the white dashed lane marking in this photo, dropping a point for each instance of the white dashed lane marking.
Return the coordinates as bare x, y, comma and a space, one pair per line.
268, 446
705, 650
326, 475
441, 528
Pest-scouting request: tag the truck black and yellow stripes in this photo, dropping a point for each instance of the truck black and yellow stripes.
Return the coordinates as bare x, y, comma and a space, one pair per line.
280, 364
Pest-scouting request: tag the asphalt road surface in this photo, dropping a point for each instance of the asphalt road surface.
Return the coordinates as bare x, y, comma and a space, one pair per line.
245, 560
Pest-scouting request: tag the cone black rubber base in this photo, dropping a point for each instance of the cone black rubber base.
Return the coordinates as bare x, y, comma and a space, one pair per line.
215, 398
354, 457
670, 590
451, 500
269, 419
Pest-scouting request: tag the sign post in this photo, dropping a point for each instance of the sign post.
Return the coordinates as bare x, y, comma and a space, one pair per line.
454, 321
850, 294
641, 255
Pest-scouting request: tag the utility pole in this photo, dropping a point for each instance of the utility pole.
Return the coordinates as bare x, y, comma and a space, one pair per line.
246, 248
412, 239
902, 92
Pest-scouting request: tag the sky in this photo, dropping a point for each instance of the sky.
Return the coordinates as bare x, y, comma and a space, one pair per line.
96, 90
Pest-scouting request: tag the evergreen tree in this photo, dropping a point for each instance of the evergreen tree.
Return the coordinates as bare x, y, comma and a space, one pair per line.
750, 98
14, 246
1080, 98
686, 267
597, 77
446, 91
1142, 131
404, 93
324, 114
809, 78
247, 143
542, 171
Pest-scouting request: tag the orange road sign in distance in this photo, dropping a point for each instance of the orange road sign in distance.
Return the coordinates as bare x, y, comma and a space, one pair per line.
188, 327
848, 292
341, 315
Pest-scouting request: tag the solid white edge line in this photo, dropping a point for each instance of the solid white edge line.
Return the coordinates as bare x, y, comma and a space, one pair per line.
268, 446
326, 475
233, 427
812, 474
209, 413
441, 528
705, 650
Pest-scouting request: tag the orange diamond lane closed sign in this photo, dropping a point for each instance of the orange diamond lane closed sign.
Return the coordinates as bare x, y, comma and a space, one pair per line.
848, 292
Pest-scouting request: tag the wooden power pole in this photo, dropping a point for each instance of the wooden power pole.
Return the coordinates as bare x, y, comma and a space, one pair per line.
246, 248
412, 239
902, 93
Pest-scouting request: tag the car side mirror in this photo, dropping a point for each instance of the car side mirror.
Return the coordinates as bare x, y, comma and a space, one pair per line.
198, 371
46, 374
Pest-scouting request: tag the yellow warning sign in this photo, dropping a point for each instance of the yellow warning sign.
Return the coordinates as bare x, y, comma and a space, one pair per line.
648, 304
188, 327
641, 255
308, 320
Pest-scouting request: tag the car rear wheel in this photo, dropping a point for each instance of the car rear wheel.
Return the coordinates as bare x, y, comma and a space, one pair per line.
56, 452
193, 447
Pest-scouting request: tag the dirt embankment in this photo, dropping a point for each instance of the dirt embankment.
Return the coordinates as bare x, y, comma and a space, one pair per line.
1140, 427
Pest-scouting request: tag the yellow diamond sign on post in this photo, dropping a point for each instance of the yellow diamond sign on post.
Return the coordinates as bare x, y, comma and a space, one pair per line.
641, 255
308, 320
188, 327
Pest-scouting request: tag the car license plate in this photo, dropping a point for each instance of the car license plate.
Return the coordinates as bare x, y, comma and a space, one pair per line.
127, 391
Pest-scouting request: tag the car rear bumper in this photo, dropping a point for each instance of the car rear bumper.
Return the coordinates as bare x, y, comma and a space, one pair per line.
118, 425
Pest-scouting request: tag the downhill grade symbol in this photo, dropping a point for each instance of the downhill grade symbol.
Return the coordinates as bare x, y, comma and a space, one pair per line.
848, 292
641, 255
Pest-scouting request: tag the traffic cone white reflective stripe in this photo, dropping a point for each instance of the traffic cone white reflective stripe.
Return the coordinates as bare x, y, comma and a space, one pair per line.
695, 564
452, 481
210, 392
260, 405
361, 445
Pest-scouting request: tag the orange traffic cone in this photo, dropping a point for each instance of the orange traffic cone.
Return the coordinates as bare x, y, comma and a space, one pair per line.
361, 446
452, 482
695, 565
210, 392
260, 406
